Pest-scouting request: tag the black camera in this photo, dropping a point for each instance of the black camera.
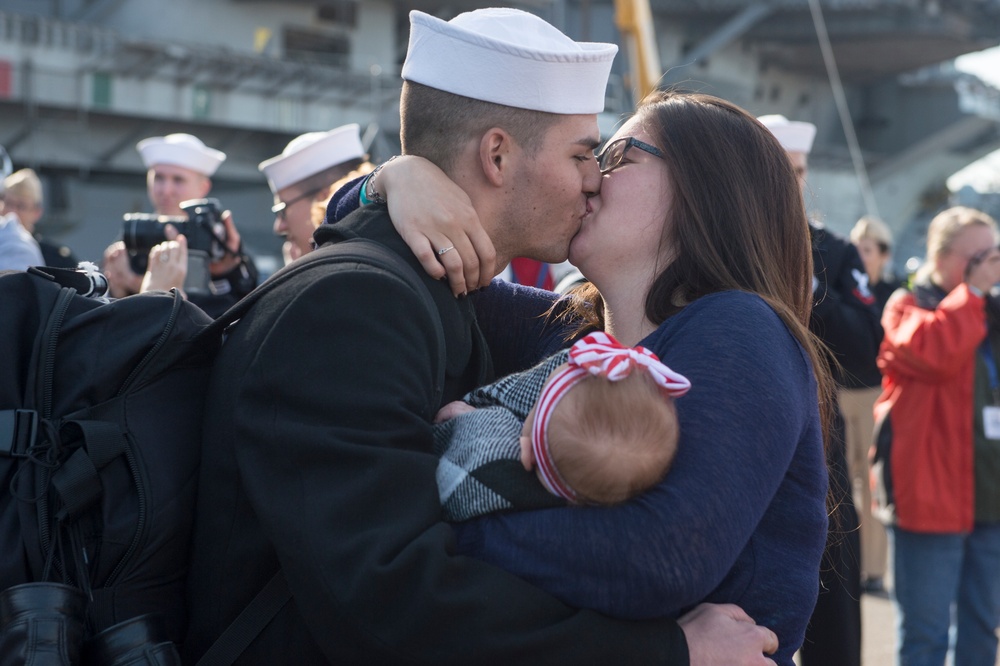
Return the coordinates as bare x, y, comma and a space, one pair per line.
202, 227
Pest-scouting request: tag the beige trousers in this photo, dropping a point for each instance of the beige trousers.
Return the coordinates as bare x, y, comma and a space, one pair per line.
856, 405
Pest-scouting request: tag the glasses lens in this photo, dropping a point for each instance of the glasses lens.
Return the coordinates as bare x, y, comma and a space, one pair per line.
612, 155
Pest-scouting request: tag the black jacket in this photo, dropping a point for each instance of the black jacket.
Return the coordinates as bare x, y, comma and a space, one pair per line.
59, 256
844, 314
318, 459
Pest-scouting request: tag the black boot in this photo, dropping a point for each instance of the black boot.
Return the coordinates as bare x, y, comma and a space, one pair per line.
41, 624
141, 641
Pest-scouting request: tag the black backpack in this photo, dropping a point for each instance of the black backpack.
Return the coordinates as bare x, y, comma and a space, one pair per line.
101, 409
100, 431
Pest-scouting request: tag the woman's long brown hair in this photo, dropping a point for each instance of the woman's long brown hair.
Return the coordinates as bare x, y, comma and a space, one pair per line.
736, 222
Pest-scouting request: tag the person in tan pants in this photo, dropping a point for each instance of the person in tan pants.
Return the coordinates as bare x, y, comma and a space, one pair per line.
874, 242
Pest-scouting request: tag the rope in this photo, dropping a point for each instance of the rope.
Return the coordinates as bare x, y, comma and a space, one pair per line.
845, 115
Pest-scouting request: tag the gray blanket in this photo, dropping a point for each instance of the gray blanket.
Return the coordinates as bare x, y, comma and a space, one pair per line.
480, 470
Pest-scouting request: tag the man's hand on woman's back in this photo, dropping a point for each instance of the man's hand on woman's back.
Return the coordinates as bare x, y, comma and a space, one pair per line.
723, 635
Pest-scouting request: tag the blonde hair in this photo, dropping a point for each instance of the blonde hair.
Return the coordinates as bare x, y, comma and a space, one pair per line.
24, 183
945, 228
875, 229
613, 440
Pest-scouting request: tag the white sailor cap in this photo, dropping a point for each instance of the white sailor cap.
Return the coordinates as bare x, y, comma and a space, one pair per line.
182, 150
311, 153
510, 57
793, 135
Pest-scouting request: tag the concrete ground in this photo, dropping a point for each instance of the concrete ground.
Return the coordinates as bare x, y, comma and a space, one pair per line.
878, 630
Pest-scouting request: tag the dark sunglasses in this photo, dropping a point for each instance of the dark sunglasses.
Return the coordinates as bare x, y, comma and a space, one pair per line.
279, 208
614, 153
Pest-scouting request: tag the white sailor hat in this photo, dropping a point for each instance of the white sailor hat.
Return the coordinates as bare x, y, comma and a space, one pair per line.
793, 135
311, 153
510, 57
182, 150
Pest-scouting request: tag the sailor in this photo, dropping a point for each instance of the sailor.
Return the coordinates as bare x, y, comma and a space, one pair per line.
302, 179
845, 318
179, 168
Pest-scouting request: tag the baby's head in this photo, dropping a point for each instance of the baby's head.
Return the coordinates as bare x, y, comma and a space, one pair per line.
605, 426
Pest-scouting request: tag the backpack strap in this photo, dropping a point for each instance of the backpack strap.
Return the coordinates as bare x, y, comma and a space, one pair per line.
252, 620
249, 623
32, 480
89, 283
76, 479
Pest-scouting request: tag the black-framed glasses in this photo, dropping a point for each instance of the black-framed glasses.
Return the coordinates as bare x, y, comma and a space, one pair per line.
280, 207
613, 155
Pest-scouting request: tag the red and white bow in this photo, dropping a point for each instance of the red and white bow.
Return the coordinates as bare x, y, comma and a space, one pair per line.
600, 354
596, 354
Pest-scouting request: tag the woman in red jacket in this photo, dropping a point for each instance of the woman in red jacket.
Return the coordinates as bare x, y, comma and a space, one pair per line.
938, 445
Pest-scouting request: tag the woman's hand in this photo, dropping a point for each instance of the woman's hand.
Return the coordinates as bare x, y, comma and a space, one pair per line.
432, 214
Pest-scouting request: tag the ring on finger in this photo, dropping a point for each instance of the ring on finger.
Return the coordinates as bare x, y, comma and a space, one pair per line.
445, 249
164, 257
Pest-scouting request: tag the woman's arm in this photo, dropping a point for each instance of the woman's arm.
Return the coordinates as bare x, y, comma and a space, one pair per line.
752, 398
432, 214
518, 327
345, 201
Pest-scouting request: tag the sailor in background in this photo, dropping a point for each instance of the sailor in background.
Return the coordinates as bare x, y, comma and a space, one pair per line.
180, 168
303, 177
845, 318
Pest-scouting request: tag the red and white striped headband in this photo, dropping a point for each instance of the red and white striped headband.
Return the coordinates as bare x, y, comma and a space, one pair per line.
596, 354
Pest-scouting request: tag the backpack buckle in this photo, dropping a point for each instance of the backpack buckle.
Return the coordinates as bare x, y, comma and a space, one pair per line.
18, 428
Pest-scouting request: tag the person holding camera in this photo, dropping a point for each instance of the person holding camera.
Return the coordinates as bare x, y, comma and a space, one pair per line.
873, 239
937, 458
179, 169
302, 177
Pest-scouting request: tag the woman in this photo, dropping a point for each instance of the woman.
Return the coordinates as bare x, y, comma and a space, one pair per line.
698, 248
938, 445
873, 240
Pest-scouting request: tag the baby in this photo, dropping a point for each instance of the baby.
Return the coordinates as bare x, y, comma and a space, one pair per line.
597, 423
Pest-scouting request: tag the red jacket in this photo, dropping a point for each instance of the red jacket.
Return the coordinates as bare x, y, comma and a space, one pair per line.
925, 415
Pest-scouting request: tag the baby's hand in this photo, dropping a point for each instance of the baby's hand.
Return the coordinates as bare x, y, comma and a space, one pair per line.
453, 409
